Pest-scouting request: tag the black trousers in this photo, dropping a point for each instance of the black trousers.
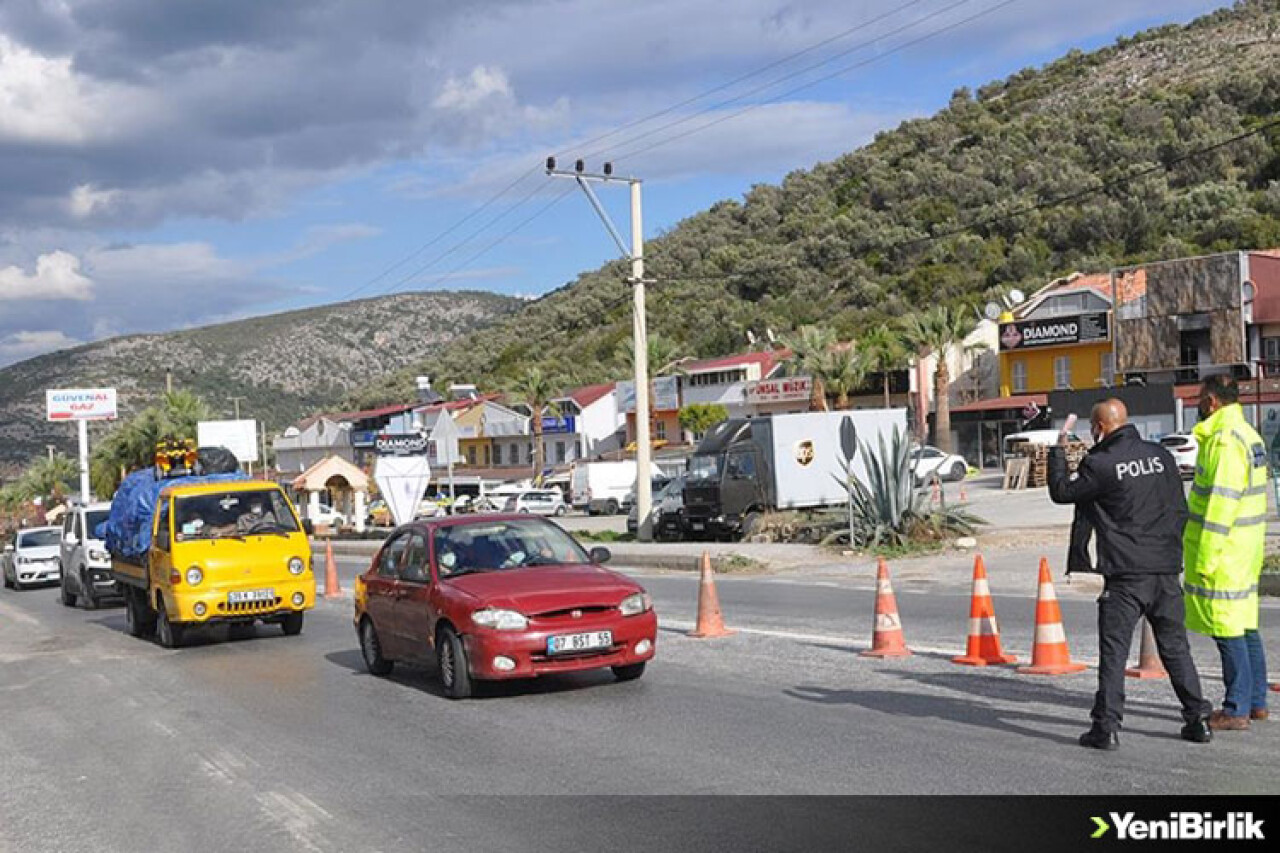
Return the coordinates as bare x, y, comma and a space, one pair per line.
1125, 600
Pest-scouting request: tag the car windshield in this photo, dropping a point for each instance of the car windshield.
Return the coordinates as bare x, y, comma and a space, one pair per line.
232, 515
93, 519
504, 545
39, 538
704, 468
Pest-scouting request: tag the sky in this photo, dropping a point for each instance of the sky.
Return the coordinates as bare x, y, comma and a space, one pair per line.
166, 164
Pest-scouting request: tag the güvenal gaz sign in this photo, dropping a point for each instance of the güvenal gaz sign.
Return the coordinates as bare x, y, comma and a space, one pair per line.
1055, 331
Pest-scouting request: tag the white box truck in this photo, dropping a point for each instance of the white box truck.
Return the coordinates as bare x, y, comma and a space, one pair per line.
745, 467
602, 487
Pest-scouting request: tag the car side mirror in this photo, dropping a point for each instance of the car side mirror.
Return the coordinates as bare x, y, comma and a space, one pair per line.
8, 546
70, 539
600, 554
308, 527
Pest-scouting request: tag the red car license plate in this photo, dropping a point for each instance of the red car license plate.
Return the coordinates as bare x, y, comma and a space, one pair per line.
579, 642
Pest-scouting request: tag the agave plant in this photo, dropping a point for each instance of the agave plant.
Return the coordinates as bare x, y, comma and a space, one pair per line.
888, 509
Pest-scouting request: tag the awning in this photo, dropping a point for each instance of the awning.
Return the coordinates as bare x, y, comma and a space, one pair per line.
1019, 402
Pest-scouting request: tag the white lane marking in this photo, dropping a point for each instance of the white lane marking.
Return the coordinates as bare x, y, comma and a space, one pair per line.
859, 644
164, 729
298, 814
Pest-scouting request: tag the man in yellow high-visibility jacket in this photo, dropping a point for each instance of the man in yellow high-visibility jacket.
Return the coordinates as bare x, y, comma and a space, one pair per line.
1223, 547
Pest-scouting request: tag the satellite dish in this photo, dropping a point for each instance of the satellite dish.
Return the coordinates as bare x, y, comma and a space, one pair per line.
991, 311
1017, 297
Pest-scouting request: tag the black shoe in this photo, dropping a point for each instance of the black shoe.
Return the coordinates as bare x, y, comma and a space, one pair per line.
1198, 732
1097, 738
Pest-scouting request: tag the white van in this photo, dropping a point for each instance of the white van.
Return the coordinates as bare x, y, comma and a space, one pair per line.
86, 565
602, 487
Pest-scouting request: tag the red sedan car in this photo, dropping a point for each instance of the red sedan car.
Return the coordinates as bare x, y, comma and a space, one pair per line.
496, 597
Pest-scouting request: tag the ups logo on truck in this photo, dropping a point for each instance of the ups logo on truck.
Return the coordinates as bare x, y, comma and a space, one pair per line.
805, 452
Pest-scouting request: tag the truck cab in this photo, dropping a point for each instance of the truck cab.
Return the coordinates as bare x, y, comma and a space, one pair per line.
223, 552
729, 482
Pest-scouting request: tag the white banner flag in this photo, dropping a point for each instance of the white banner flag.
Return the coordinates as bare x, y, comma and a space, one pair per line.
402, 480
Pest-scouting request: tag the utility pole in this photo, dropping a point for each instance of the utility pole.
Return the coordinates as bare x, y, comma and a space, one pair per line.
644, 485
50, 448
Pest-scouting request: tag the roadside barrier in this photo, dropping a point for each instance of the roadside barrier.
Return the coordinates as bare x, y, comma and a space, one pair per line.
887, 640
1149, 665
1049, 655
984, 635
331, 587
710, 620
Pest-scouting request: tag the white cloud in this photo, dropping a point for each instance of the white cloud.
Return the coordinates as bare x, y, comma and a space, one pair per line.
57, 276
481, 85
87, 200
26, 344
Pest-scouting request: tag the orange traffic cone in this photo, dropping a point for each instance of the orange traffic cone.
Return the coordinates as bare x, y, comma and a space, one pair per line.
886, 636
710, 621
937, 491
984, 634
963, 497
1149, 665
1049, 655
331, 588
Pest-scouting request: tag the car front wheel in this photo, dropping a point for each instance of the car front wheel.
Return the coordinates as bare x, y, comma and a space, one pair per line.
169, 634
455, 675
371, 650
292, 624
64, 594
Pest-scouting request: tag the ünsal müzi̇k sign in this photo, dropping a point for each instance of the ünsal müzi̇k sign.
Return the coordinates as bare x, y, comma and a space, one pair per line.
1055, 331
80, 404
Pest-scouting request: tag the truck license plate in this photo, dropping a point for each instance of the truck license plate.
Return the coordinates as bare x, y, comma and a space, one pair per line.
579, 642
241, 596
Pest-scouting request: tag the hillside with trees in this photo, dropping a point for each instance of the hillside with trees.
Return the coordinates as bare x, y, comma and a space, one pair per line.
1095, 160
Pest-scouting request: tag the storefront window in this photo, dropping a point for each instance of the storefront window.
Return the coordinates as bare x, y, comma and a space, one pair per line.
1019, 377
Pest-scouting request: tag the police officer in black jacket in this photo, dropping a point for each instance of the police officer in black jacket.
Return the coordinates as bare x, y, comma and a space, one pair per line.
1128, 493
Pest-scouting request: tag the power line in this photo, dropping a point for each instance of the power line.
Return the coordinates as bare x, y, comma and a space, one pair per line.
396, 285
503, 237
493, 199
433, 241
788, 76
741, 79
837, 73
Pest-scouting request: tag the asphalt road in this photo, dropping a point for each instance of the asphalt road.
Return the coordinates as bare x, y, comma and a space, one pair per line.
111, 743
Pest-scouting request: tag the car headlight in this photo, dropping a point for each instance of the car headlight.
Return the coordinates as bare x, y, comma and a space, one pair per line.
194, 576
296, 566
98, 556
635, 604
500, 620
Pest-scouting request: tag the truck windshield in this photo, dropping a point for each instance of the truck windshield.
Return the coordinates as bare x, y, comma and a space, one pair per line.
704, 468
233, 514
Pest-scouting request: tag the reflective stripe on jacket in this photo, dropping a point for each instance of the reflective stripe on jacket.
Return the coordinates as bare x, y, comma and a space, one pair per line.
1225, 532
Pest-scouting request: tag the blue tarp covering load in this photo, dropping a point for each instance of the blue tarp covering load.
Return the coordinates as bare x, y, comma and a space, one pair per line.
127, 530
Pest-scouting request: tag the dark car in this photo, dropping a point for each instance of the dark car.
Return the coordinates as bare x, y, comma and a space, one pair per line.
499, 597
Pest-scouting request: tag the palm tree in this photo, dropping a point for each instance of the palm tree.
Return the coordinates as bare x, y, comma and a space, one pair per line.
809, 346
50, 478
841, 372
132, 444
883, 350
940, 331
535, 389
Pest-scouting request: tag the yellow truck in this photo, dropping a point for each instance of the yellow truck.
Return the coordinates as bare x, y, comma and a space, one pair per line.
231, 552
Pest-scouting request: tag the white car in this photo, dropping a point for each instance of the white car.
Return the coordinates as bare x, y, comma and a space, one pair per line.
537, 502
428, 508
329, 516
928, 462
33, 556
1185, 448
86, 565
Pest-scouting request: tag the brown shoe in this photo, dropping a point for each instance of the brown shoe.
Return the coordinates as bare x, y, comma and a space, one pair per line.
1259, 714
1221, 721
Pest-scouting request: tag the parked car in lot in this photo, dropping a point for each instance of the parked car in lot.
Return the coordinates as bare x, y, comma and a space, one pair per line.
379, 514
499, 597
32, 556
1185, 448
537, 502
328, 515
667, 501
430, 508
928, 461
86, 565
